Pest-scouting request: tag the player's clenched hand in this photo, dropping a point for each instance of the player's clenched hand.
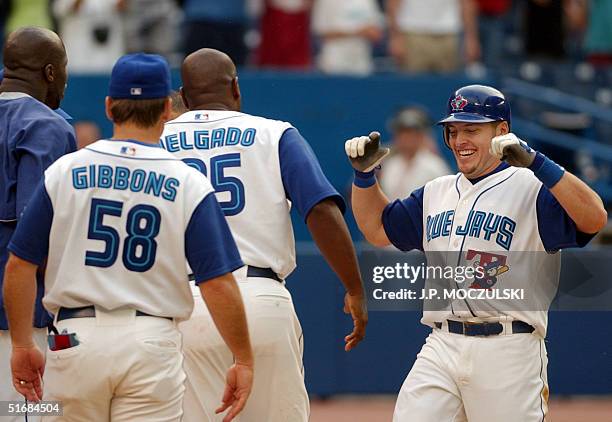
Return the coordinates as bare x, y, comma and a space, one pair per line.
512, 150
28, 365
356, 306
365, 152
238, 384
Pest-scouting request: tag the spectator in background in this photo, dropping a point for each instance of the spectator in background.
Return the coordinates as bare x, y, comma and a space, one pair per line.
425, 35
347, 29
93, 32
491, 29
598, 40
29, 13
87, 133
151, 26
218, 24
413, 162
544, 29
285, 34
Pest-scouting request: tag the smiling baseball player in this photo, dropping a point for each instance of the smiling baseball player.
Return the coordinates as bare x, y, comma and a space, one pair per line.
115, 222
480, 366
259, 168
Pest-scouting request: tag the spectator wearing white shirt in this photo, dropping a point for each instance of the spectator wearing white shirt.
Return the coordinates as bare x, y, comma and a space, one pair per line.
414, 160
425, 35
93, 33
347, 29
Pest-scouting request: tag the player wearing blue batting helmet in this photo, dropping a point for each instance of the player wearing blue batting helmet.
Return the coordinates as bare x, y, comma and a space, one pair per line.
476, 104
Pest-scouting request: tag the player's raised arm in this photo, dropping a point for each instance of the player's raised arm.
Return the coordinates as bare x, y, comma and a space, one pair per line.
368, 200
579, 201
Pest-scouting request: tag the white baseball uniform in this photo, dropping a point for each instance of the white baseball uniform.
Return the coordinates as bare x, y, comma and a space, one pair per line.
116, 222
490, 221
258, 168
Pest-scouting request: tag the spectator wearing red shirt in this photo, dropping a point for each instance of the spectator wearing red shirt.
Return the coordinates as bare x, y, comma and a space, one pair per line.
285, 34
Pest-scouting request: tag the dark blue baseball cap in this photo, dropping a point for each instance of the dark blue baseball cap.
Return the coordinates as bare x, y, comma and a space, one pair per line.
58, 111
140, 76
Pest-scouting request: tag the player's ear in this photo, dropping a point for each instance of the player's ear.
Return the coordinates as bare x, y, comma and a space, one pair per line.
502, 129
184, 97
107, 108
235, 89
167, 113
49, 72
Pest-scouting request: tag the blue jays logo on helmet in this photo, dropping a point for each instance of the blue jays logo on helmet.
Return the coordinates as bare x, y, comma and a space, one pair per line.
458, 103
477, 104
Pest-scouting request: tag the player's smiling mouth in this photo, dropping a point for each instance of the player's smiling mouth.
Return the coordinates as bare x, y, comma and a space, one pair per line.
466, 152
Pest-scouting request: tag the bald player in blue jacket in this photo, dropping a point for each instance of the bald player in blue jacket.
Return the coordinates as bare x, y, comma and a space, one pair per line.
32, 137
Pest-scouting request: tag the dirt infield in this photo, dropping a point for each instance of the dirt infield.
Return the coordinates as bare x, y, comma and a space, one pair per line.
380, 409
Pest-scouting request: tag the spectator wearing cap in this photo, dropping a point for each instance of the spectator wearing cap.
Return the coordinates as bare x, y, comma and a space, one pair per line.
348, 29
414, 160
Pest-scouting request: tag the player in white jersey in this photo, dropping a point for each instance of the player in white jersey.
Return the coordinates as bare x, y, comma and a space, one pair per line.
114, 223
259, 169
509, 211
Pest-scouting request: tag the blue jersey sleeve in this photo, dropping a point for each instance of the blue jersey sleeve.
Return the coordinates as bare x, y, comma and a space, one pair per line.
209, 245
42, 144
303, 179
557, 229
31, 238
403, 221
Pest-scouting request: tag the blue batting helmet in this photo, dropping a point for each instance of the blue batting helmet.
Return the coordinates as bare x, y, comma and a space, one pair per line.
477, 104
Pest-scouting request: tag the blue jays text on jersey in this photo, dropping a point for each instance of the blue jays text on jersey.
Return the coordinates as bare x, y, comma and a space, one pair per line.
507, 221
479, 224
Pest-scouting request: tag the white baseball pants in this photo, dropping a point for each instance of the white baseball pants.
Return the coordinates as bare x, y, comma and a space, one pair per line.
457, 378
279, 393
126, 368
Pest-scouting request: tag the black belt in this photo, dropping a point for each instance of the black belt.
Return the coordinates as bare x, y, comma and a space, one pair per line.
484, 329
90, 312
262, 272
255, 272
